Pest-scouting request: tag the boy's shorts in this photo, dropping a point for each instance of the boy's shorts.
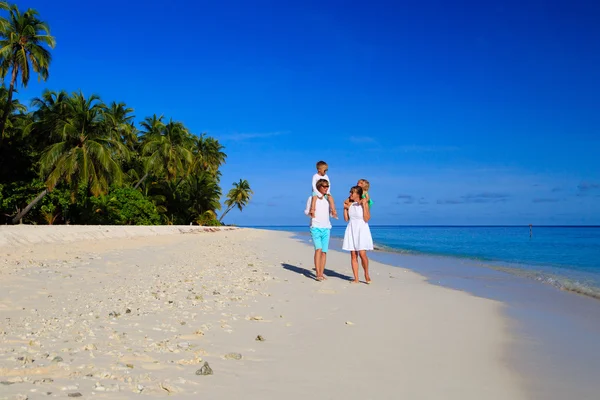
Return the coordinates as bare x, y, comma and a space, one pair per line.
319, 195
320, 237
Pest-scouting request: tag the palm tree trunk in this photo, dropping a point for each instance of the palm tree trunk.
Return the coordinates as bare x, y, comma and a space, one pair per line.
11, 89
226, 211
29, 206
137, 185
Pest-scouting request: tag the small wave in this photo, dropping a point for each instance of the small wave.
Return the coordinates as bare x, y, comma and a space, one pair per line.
589, 289
560, 282
387, 249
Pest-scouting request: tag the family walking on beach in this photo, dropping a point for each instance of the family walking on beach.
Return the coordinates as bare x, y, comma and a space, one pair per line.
357, 212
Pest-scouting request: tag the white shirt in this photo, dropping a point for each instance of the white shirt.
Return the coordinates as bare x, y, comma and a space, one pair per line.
316, 178
321, 219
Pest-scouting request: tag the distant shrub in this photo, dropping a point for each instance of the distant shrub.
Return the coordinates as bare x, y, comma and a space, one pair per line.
125, 206
208, 218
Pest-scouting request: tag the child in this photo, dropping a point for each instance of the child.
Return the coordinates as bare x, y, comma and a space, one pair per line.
364, 184
321, 174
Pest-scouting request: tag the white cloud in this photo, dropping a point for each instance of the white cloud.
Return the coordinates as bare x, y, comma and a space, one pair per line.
238, 137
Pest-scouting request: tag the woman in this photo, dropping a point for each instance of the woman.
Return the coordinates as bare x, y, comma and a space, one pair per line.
357, 238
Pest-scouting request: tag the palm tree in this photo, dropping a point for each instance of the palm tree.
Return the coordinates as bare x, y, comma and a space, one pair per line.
208, 155
86, 154
14, 106
22, 41
152, 127
119, 118
51, 108
3, 21
166, 148
204, 193
239, 196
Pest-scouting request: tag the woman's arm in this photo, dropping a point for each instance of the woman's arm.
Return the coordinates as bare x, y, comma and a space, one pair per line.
346, 206
366, 210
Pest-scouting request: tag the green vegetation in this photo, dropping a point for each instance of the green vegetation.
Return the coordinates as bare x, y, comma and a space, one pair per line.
71, 158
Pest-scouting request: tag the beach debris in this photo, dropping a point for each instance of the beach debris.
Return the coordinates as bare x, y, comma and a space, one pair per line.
205, 369
45, 380
259, 338
233, 356
349, 323
6, 383
196, 360
128, 311
256, 318
76, 394
57, 359
167, 388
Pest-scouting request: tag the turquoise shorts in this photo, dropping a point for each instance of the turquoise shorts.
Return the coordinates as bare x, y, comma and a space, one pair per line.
319, 195
320, 237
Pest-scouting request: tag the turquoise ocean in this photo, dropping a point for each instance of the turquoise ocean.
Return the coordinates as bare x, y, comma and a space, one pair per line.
567, 257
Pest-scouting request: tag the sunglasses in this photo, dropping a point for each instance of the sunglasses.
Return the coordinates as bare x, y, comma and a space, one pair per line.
325, 186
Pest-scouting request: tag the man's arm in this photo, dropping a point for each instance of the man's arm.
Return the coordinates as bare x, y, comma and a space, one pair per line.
307, 210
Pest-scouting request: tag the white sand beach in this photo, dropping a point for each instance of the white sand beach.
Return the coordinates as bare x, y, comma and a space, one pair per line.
123, 312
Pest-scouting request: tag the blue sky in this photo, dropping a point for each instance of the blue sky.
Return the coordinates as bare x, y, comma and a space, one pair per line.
462, 112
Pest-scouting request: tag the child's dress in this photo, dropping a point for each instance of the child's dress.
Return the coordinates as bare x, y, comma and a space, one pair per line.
358, 234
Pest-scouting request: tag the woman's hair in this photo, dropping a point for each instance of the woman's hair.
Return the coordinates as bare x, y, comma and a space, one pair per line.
357, 189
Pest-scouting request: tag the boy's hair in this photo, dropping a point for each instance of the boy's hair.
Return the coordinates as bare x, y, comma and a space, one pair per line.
321, 164
357, 189
366, 184
322, 182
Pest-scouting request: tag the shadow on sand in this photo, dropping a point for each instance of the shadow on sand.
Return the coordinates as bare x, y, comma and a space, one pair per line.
311, 274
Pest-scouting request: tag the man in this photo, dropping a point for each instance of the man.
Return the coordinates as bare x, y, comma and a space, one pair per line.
320, 226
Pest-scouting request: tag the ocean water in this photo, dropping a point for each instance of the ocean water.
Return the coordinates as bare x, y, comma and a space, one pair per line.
565, 257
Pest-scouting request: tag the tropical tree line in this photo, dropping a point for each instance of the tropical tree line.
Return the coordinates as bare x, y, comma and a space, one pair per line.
71, 158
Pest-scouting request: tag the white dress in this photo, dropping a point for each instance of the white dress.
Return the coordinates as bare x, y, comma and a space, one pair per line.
358, 234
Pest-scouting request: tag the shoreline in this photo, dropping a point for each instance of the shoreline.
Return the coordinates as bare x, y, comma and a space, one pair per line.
557, 280
233, 286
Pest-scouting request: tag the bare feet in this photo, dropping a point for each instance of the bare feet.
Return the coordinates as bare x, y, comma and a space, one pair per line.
320, 278
354, 281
